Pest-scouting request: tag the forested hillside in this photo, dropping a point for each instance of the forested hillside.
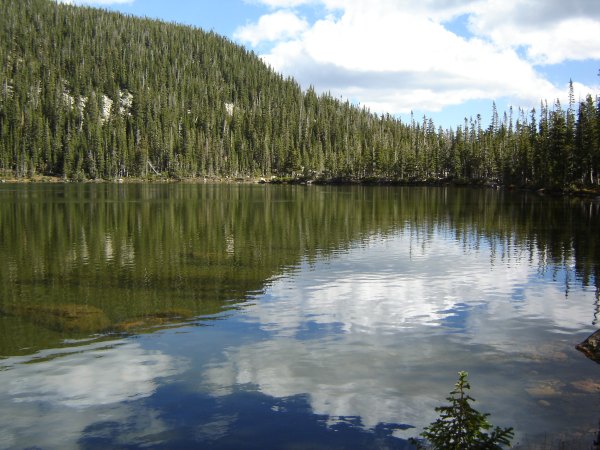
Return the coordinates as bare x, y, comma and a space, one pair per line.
88, 94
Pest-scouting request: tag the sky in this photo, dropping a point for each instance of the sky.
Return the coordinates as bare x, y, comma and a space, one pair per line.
446, 59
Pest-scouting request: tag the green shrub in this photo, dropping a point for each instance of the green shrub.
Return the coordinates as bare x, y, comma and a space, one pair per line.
461, 427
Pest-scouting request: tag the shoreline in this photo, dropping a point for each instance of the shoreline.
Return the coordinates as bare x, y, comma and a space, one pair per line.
589, 192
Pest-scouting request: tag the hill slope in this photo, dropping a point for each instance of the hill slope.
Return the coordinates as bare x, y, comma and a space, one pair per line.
90, 93
86, 93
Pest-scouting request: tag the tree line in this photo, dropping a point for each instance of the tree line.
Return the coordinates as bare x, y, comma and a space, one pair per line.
91, 94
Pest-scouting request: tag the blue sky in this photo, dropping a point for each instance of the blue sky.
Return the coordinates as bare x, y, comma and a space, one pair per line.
447, 59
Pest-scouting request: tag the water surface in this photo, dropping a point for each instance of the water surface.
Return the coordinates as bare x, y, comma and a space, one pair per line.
186, 316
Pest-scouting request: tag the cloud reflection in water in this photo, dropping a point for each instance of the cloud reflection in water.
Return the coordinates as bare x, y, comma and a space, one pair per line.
399, 323
53, 401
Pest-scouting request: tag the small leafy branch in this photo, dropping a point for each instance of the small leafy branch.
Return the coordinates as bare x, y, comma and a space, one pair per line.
461, 427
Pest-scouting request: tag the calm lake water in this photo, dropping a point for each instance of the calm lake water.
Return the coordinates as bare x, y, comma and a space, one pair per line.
200, 316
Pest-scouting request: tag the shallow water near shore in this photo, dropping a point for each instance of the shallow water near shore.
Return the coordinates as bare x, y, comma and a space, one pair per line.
226, 316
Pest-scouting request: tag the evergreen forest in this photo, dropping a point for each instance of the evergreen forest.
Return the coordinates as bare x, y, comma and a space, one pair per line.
90, 94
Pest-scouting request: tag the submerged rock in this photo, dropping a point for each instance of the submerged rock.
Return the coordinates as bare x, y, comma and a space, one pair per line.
545, 389
588, 386
591, 347
63, 317
153, 320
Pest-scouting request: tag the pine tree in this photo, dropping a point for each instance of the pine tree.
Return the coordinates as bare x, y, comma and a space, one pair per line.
89, 93
461, 427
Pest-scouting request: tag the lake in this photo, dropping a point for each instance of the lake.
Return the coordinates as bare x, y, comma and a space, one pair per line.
247, 316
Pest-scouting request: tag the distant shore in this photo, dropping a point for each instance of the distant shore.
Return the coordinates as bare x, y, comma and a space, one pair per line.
593, 192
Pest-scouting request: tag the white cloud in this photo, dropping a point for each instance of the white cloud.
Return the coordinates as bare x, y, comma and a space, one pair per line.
395, 57
272, 27
283, 3
551, 32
